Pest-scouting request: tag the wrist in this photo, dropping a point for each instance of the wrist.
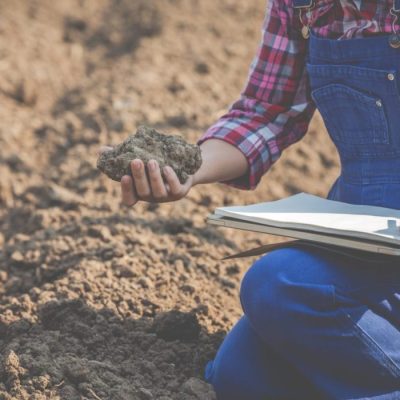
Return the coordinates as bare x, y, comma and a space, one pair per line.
196, 179
199, 176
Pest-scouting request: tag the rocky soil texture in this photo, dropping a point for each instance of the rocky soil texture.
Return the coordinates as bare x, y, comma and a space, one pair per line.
148, 144
99, 301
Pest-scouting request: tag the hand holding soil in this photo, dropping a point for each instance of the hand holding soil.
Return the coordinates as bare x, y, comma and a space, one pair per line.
170, 161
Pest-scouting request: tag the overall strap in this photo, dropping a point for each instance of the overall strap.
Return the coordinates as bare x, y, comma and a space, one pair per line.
300, 5
308, 3
394, 39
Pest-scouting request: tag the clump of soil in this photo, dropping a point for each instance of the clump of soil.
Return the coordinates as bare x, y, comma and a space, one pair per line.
177, 325
148, 144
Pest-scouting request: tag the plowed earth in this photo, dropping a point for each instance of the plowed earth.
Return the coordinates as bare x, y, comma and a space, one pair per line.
98, 301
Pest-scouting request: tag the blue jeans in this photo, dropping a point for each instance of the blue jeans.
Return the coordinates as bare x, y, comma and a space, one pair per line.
316, 326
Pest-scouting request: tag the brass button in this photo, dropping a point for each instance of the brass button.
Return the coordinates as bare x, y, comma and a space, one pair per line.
394, 40
390, 77
305, 31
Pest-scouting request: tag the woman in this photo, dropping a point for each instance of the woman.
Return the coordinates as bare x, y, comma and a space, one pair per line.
315, 324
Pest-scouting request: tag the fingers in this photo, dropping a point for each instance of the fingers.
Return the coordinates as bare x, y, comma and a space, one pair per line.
129, 197
140, 179
156, 181
149, 186
175, 187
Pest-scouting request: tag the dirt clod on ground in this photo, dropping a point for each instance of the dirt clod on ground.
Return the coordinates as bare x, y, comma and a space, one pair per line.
148, 144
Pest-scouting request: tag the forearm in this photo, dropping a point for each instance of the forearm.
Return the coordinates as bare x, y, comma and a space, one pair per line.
221, 161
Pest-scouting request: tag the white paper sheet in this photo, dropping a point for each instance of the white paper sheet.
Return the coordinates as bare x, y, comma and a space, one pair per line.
315, 214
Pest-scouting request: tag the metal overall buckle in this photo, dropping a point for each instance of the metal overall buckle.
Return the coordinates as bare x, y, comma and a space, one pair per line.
308, 5
394, 39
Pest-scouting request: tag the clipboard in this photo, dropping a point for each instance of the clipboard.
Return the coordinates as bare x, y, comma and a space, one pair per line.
313, 221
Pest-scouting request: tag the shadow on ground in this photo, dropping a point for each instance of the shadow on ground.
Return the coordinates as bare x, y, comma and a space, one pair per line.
123, 24
80, 351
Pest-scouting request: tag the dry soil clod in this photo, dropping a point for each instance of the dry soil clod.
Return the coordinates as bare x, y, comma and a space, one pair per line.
148, 144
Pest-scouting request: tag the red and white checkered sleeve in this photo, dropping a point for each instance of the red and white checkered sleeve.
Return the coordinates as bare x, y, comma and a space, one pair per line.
275, 107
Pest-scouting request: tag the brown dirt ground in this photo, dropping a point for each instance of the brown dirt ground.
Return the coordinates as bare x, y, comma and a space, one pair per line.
97, 301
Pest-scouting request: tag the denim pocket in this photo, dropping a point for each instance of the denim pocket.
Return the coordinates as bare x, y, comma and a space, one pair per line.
377, 346
372, 315
352, 117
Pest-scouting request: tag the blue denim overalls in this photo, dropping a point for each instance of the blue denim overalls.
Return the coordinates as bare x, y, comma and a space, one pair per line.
318, 325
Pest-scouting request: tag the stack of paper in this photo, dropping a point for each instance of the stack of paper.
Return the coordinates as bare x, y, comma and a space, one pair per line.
305, 216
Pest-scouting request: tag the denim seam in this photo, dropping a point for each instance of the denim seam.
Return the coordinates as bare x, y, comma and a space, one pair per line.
346, 292
375, 180
352, 71
374, 346
330, 60
333, 295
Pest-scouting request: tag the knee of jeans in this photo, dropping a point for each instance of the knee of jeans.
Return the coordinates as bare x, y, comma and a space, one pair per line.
261, 284
224, 375
273, 291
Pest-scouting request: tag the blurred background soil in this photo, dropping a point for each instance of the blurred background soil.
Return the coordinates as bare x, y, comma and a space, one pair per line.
98, 301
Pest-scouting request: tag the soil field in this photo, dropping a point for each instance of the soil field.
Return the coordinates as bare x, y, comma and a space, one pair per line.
99, 301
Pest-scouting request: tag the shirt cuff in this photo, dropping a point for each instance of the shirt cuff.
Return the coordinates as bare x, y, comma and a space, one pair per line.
250, 142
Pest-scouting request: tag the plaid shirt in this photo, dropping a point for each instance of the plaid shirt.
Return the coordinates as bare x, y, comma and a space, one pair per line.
275, 107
